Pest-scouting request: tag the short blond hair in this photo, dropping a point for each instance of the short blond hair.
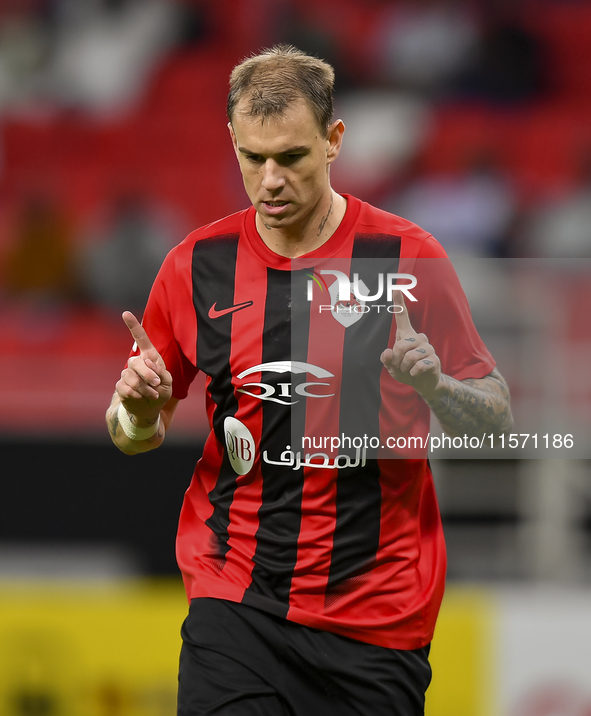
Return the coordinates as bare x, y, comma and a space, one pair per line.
273, 79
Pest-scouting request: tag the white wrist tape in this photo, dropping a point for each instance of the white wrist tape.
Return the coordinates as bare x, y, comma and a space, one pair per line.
133, 432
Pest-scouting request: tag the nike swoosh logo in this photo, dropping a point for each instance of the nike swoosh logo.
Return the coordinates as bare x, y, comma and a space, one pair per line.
213, 313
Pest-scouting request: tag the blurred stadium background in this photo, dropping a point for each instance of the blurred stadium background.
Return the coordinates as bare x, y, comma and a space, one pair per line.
471, 117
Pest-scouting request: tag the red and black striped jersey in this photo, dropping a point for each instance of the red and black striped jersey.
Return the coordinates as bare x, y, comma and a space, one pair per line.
345, 545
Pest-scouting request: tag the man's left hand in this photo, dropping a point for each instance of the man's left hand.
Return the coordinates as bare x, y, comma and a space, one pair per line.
412, 360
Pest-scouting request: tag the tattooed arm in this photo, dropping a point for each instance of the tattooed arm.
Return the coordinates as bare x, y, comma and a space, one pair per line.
471, 407
468, 407
133, 447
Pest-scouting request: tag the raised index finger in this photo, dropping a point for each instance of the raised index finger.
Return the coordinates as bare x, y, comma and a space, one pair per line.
403, 323
137, 331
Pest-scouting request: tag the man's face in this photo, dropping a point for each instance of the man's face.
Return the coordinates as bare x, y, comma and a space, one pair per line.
284, 162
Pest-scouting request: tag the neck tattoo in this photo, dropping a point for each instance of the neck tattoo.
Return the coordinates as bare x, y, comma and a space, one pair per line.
325, 218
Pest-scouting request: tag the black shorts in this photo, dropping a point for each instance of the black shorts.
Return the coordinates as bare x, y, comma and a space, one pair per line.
240, 661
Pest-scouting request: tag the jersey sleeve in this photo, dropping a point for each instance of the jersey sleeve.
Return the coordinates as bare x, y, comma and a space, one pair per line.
170, 322
442, 312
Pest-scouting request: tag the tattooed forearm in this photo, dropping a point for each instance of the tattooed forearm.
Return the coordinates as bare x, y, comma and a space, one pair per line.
113, 423
111, 416
473, 407
125, 444
325, 218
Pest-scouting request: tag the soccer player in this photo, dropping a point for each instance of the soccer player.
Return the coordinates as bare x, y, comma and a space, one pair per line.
314, 580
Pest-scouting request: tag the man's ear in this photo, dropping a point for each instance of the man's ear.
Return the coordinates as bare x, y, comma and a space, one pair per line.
334, 140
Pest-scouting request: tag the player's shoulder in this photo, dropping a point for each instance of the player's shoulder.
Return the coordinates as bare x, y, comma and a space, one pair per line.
415, 240
215, 231
179, 258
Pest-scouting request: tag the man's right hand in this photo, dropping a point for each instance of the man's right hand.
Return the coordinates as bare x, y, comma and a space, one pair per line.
145, 385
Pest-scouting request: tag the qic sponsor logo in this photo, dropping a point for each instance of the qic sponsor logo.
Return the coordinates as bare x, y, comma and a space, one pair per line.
281, 392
